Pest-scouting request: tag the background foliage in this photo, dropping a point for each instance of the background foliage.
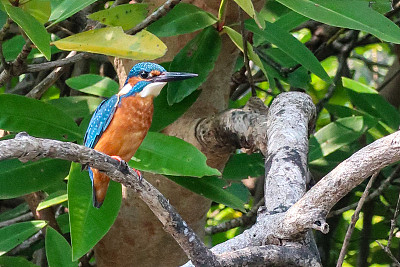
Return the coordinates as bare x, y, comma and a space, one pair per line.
343, 82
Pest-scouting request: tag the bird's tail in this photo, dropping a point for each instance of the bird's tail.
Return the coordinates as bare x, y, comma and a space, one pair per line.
100, 183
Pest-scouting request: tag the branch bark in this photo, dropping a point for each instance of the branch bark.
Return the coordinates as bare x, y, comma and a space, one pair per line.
25, 148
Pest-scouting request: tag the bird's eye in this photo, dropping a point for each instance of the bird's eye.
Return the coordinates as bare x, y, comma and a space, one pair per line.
144, 74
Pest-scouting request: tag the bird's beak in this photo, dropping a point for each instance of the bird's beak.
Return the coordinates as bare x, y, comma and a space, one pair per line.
173, 76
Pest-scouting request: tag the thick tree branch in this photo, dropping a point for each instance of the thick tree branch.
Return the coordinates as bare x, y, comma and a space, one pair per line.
25, 148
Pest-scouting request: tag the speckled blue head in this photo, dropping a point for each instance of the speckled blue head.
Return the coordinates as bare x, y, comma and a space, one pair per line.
148, 78
141, 67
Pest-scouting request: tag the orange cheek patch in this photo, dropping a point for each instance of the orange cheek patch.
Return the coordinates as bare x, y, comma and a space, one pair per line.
134, 80
155, 73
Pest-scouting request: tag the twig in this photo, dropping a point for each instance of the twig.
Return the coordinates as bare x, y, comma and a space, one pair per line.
393, 222
25, 148
57, 63
17, 67
245, 220
26, 244
22, 218
161, 11
245, 55
354, 219
371, 196
389, 252
45, 84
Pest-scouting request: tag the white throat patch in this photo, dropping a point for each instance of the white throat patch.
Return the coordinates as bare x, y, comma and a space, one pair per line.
124, 90
152, 89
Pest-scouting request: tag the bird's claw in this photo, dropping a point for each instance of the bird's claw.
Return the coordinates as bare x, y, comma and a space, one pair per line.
123, 166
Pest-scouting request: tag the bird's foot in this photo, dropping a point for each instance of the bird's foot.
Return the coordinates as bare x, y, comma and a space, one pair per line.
123, 166
139, 174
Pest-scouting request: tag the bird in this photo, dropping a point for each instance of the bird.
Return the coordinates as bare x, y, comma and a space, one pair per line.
120, 123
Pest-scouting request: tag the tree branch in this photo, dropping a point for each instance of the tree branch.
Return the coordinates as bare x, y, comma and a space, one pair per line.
25, 148
161, 11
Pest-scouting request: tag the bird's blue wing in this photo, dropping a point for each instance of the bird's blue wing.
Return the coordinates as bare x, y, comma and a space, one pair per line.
100, 121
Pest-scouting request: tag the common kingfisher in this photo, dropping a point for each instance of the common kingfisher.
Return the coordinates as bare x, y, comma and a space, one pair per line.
120, 123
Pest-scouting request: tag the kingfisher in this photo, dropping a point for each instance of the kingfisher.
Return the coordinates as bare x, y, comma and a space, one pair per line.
120, 123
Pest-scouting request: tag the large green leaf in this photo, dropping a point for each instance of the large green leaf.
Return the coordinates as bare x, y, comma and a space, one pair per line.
215, 189
94, 84
53, 199
169, 155
291, 46
67, 8
89, 224
368, 100
183, 18
15, 212
77, 106
164, 114
198, 56
33, 29
241, 166
39, 9
127, 16
18, 179
8, 261
113, 41
36, 118
337, 134
290, 20
13, 235
58, 251
348, 14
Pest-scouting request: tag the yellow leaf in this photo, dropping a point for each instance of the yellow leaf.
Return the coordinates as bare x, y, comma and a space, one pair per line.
113, 41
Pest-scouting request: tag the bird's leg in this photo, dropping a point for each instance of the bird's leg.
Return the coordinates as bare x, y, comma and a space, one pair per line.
125, 168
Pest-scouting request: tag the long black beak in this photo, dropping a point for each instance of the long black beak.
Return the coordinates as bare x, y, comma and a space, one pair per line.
173, 76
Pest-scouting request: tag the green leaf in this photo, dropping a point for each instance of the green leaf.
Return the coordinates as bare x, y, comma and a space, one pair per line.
241, 166
39, 9
291, 46
58, 251
237, 40
18, 179
33, 29
37, 118
13, 235
198, 56
63, 223
112, 41
213, 188
67, 8
94, 84
290, 20
368, 100
183, 18
127, 16
347, 14
164, 114
170, 155
7, 261
53, 199
247, 6
337, 134
15, 212
76, 106
89, 224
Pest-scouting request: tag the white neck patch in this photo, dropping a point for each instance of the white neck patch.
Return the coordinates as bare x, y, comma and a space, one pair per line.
124, 90
153, 89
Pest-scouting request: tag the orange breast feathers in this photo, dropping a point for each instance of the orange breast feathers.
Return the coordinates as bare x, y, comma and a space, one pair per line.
123, 136
127, 129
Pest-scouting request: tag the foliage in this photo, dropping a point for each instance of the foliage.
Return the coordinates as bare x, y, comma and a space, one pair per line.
353, 114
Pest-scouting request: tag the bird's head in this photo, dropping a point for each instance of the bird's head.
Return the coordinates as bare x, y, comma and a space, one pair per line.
148, 78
